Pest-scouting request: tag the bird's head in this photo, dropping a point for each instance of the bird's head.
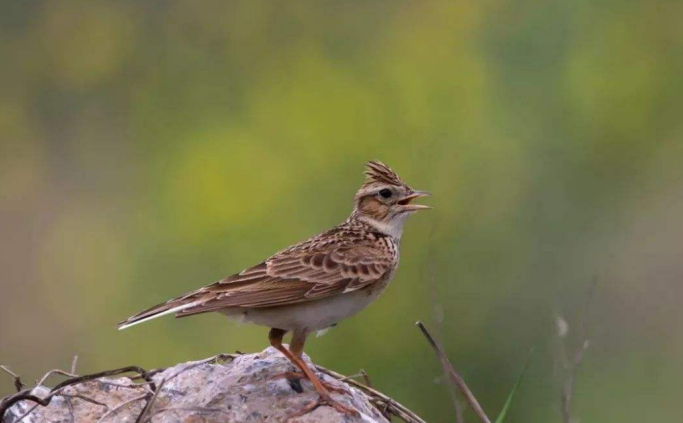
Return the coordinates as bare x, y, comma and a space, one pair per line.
384, 200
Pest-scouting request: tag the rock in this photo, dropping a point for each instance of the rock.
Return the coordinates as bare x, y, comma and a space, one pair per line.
244, 390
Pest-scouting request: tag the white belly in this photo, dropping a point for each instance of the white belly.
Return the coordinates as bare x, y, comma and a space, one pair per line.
312, 316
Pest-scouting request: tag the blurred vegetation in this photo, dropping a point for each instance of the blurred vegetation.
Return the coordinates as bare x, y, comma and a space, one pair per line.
148, 148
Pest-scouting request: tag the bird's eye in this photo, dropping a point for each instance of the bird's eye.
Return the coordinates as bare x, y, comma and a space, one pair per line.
385, 193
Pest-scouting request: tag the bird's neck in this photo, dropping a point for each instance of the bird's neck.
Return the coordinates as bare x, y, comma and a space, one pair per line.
392, 228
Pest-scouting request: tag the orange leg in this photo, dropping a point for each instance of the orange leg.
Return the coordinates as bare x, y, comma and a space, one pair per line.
275, 336
297, 349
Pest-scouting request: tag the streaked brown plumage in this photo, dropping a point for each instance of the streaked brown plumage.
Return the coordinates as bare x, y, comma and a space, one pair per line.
314, 284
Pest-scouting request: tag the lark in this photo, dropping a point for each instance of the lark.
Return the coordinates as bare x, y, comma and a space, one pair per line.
313, 285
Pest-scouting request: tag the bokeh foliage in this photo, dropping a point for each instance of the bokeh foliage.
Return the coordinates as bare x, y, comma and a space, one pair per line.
148, 148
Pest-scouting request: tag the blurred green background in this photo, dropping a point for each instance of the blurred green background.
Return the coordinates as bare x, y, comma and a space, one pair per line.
148, 148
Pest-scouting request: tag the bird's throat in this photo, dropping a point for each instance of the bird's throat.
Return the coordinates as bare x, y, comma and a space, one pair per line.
392, 228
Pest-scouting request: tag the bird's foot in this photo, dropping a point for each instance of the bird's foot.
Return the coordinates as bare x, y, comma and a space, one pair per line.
326, 399
300, 375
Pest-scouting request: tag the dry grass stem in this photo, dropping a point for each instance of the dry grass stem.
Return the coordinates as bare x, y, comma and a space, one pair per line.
121, 406
454, 376
18, 385
438, 313
74, 363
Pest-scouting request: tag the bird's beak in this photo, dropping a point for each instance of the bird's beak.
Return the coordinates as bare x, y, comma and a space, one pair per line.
406, 205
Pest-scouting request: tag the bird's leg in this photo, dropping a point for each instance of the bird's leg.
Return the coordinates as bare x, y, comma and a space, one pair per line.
275, 336
297, 349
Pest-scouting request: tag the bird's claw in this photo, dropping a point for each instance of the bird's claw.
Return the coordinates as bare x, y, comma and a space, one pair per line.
326, 399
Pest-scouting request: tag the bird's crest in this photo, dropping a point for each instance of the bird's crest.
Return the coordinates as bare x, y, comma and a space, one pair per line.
377, 172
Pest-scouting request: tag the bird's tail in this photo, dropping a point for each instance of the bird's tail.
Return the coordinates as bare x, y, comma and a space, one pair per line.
169, 307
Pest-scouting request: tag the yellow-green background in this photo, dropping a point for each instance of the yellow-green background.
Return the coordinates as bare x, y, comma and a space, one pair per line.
150, 147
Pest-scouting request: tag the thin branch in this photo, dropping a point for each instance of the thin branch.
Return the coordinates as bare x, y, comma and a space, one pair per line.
349, 377
362, 373
71, 409
454, 376
150, 403
84, 398
74, 362
29, 411
18, 385
120, 385
438, 312
366, 377
53, 372
27, 395
120, 406
390, 404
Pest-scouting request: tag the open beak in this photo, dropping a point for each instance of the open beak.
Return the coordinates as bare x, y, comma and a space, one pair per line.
405, 202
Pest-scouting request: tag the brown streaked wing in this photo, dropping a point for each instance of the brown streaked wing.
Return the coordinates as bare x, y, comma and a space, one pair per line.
295, 276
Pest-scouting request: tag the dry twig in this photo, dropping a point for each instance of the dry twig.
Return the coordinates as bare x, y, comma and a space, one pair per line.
150, 403
26, 394
120, 406
378, 398
84, 398
71, 409
438, 312
454, 376
74, 362
361, 373
18, 385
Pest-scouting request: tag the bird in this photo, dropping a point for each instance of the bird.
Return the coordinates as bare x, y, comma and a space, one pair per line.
311, 286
